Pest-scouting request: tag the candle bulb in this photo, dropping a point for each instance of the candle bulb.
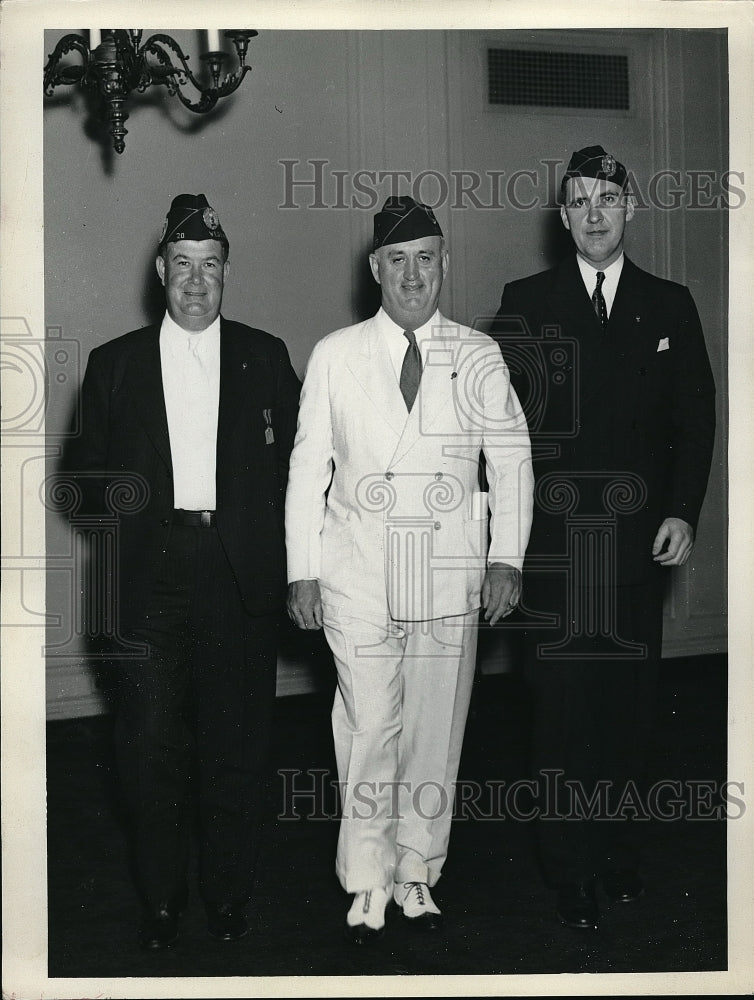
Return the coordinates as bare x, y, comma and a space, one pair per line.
95, 37
213, 40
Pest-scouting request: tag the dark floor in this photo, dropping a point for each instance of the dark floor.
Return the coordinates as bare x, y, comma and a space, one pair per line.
499, 917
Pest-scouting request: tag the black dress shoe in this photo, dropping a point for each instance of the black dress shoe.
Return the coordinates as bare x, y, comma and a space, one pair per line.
362, 934
415, 902
365, 922
577, 905
226, 922
622, 885
425, 922
160, 927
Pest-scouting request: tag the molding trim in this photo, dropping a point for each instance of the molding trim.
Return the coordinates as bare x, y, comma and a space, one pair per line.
697, 646
76, 695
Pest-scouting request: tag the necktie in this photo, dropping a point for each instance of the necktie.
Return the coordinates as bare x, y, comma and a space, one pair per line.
598, 300
411, 371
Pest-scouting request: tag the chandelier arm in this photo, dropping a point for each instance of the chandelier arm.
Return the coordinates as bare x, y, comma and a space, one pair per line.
151, 46
165, 75
232, 81
205, 103
212, 95
55, 75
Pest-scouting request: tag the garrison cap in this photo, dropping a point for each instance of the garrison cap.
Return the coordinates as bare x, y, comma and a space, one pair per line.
402, 219
593, 161
191, 217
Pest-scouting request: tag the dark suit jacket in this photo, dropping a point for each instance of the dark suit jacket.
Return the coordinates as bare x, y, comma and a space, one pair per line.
124, 433
636, 400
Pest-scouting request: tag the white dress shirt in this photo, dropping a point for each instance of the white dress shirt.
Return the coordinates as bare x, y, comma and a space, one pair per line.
191, 384
609, 285
397, 343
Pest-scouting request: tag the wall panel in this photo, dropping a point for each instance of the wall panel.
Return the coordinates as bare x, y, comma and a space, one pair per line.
373, 101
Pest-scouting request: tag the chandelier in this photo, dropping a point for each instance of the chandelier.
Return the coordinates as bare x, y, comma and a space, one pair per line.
115, 62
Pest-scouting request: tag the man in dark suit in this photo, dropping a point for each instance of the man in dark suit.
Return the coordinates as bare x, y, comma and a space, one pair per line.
197, 414
611, 367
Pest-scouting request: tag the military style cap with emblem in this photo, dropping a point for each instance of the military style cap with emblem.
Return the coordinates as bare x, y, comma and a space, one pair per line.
401, 220
191, 217
593, 161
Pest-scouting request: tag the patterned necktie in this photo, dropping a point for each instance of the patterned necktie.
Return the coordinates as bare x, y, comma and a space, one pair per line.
411, 371
598, 300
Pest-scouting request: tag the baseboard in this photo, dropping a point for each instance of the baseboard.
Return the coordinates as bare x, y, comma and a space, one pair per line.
73, 694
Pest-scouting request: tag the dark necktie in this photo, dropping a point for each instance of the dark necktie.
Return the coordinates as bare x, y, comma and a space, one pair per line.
598, 300
411, 371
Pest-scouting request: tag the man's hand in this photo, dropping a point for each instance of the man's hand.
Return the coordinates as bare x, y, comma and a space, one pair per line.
680, 537
501, 591
305, 604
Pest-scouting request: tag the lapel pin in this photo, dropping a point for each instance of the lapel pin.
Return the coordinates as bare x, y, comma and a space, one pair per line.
638, 319
244, 365
454, 374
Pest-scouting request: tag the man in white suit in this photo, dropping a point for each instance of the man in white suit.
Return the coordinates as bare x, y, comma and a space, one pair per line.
387, 537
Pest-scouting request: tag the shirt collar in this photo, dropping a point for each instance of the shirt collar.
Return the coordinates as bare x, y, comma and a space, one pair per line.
423, 332
589, 271
175, 332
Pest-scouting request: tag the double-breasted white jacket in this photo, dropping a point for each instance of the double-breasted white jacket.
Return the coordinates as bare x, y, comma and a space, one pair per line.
384, 507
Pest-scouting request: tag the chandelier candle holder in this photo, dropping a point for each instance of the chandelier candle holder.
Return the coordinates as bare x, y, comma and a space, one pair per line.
114, 63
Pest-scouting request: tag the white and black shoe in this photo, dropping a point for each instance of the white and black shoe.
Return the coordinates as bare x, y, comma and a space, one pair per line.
418, 907
365, 921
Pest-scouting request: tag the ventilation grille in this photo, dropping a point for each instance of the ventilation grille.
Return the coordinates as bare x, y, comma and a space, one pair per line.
558, 79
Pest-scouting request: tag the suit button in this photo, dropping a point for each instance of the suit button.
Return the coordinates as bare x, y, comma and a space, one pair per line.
389, 475
437, 525
164, 522
438, 476
642, 371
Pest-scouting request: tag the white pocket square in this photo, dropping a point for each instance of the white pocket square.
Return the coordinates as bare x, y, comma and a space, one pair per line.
664, 344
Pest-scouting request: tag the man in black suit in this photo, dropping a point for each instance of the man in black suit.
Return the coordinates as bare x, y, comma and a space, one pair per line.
611, 367
198, 415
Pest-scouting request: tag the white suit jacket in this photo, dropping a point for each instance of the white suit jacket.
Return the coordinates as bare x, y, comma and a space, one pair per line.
384, 507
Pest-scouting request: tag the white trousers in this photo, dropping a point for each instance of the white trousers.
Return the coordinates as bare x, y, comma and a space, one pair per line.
398, 721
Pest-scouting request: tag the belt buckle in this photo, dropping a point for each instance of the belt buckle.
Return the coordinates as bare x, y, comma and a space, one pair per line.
205, 518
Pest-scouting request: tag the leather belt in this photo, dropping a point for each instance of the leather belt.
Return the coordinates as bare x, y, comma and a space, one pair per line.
194, 518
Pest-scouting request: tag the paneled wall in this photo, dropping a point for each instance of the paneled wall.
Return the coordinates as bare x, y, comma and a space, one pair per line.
335, 108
